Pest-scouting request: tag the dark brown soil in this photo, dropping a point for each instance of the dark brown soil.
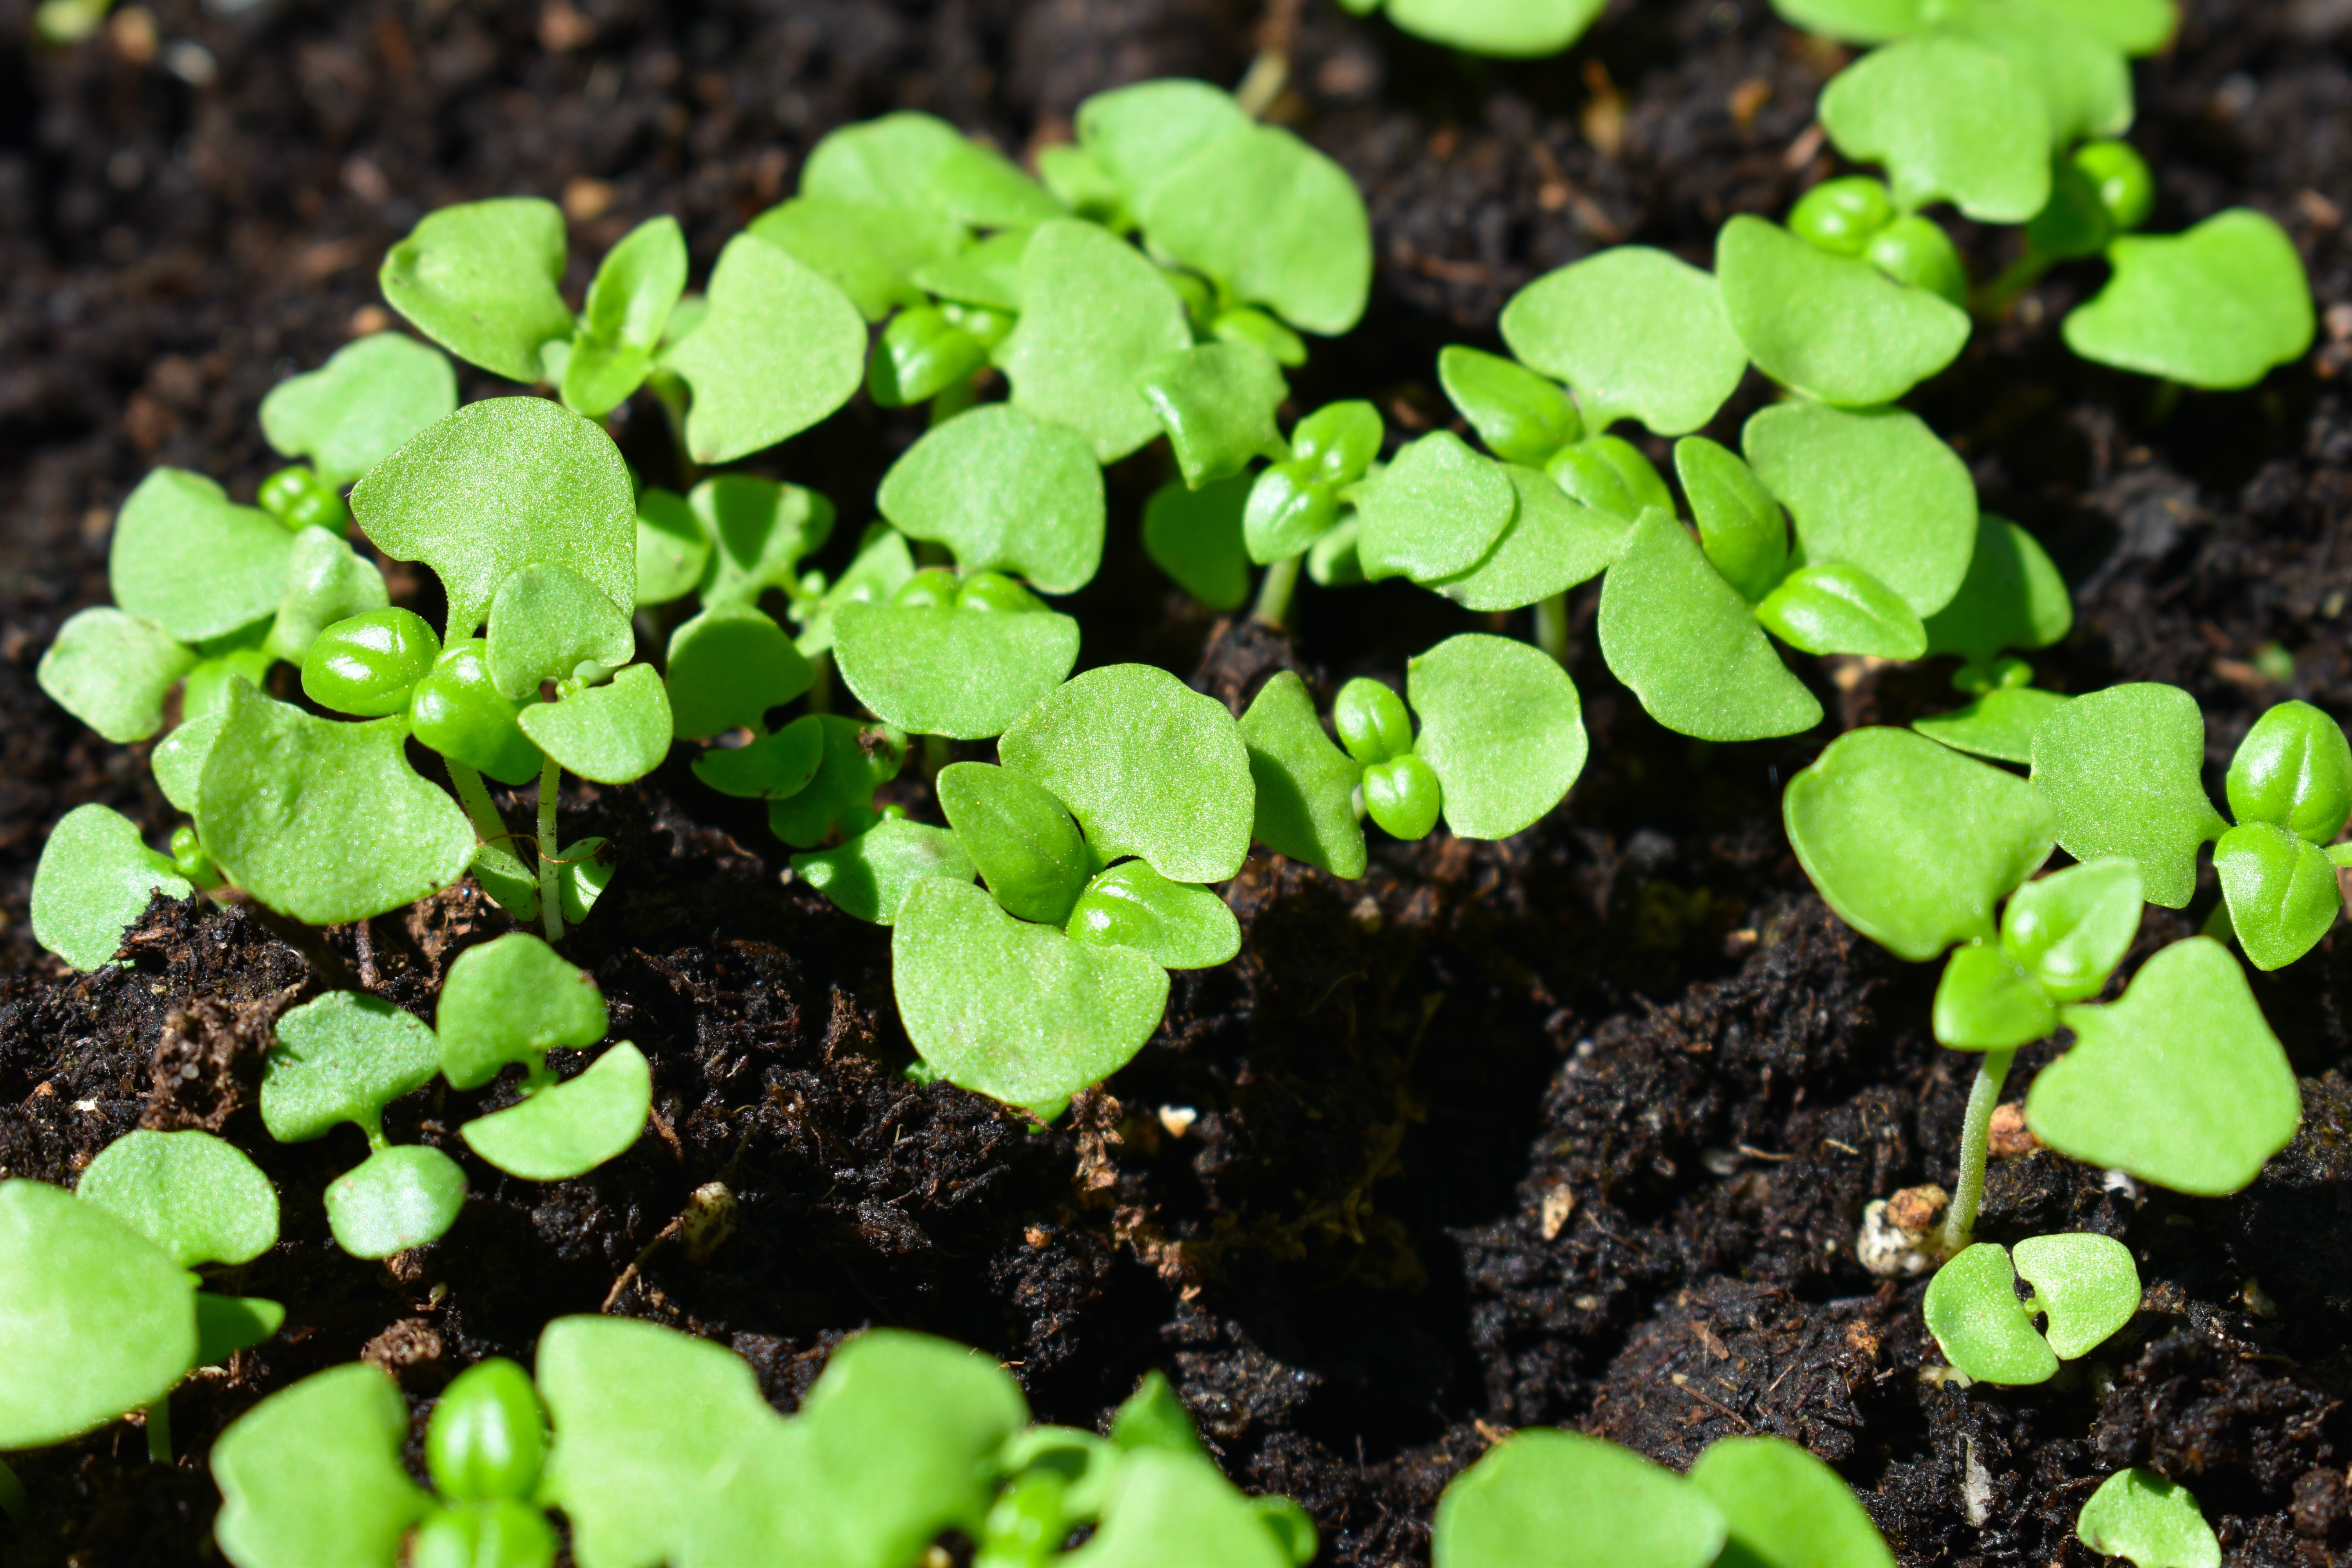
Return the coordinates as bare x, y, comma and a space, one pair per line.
1569, 1129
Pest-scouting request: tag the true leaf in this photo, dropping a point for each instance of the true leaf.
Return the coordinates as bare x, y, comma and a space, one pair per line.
1604, 1504
1741, 529
1636, 332
1609, 473
360, 406
2134, 26
2069, 930
2281, 892
1782, 1508
2011, 597
1874, 490
227, 1324
1971, 1308
2083, 82
1837, 607
2152, 1523
2085, 1283
1507, 28
1521, 417
1095, 314
198, 1197
1179, 925
395, 1199
1217, 402
672, 549
1551, 545
178, 759
1434, 512
948, 671
1272, 220
1195, 536
510, 1001
1950, 120
113, 670
771, 767
727, 667
882, 565
870, 253
757, 529
1024, 842
636, 287
457, 711
1006, 491
343, 1057
1853, 21
569, 1129
326, 581
2121, 770
1303, 782
609, 734
857, 758
479, 278
1986, 1002
1143, 134
868, 877
2215, 307
312, 1477
191, 561
1830, 325
1501, 725
778, 349
2294, 770
2000, 724
95, 878
1166, 1511
545, 622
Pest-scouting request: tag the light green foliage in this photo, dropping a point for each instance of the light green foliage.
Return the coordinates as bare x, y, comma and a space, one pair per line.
343, 1057
1546, 1499
2148, 1521
856, 759
178, 759
510, 1001
867, 878
671, 548
1522, 417
500, 484
870, 253
2068, 931
2180, 1082
2083, 83
1742, 527
952, 670
1013, 1010
569, 1129
1294, 503
326, 581
882, 565
2013, 596
1095, 313
1950, 120
779, 349
113, 670
1911, 843
609, 735
757, 529
621, 323
1511, 28
2294, 770
2000, 723
2216, 306
488, 1438
771, 767
1782, 1508
312, 1477
1552, 543
913, 161
2085, 1284
1841, 608
1140, 135
1147, 765
457, 711
1195, 536
2290, 787
986, 273
195, 1196
2120, 769
191, 561
1025, 844
1874, 490
95, 1320
368, 663
395, 1199
1271, 220
1168, 1510
1636, 333
479, 278
1500, 726
1434, 512
1689, 646
95, 878
1177, 925
1006, 491
2281, 891
727, 667
1217, 402
922, 354
324, 821
2134, 26
1853, 21
1828, 326
360, 406
1302, 781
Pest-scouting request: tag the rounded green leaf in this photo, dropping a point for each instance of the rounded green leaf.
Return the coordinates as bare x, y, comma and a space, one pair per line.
1853, 21
671, 548
1006, 491
1830, 325
2151, 1522
1304, 783
458, 711
395, 1199
178, 759
1986, 1002
1548, 1498
758, 530
948, 671
1609, 473
489, 1436
1216, 401
728, 667
1143, 134
2122, 768
609, 734
2000, 724
360, 406
1149, 767
1167, 1510
312, 1477
1521, 417
1951, 120
569, 1129
500, 484
1741, 529
2086, 1285
2069, 930
2294, 770
1784, 1509
2012, 597
367, 665
324, 821
1504, 29
227, 1324
343, 1057
1371, 721
196, 1196
1026, 845
1434, 512
1501, 726
191, 561
95, 878
112, 671
770, 768
867, 878
779, 349
510, 1001
856, 759
1271, 221
987, 274
622, 322
1838, 607
1551, 545
2134, 26
547, 621
1013, 1010
479, 278
1875, 490
1910, 842
1195, 536
870, 253
326, 581
1095, 313
95, 1320
2180, 1082
2215, 307
1688, 646
1844, 214
1971, 1308
1177, 925
2083, 82
1636, 332
2281, 892
882, 566
1404, 796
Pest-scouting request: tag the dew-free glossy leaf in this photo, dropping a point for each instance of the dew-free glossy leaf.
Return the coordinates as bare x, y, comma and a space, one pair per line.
1875, 490
479, 278
1636, 332
326, 581
1742, 527
727, 667
1303, 782
1216, 401
1971, 1308
1273, 221
545, 622
511, 1000
867, 878
457, 713
95, 878
2281, 892
1688, 646
1006, 491
2085, 1283
2012, 597
1195, 536
2293, 769
779, 349
1609, 473
672, 549
1521, 417
1986, 1002
857, 758
1910, 842
2083, 82
870, 253
1094, 314
1949, 120
113, 670
636, 287
2069, 930
1024, 842
2150, 1521
1501, 725
360, 406
1504, 28
2121, 769
949, 670
191, 561
2180, 1082
771, 767
2215, 307
1140, 135
2000, 725
395, 1199
178, 759
758, 530
1434, 512
1168, 1510
1551, 545
1149, 767
1831, 325
609, 735
569, 1129
1179, 925
1838, 607
1782, 1508
1590, 1503
1015, 1011
343, 1057
198, 1197
312, 1477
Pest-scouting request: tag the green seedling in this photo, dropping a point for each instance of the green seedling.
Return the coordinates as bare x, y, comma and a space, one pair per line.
2099, 192
1198, 537
2084, 1286
1843, 328
94, 881
352, 413
1006, 491
1296, 502
1856, 218
1512, 29
2216, 306
2011, 598
2148, 1521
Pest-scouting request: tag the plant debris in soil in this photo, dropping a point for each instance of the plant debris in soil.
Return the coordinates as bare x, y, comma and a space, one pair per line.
1569, 1129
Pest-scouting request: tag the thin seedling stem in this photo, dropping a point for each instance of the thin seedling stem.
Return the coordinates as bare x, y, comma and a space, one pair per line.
1275, 589
1976, 1140
551, 901
488, 826
1551, 626
159, 1430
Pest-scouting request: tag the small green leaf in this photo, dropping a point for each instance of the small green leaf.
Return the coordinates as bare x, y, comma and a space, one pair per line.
2121, 768
1875, 490
1177, 925
771, 767
2180, 1082
343, 1057
1143, 134
779, 349
512, 1000
2011, 597
1195, 536
500, 484
395, 1199
1841, 608
2000, 724
1853, 21
759, 530
948, 671
545, 622
982, 186
2139, 1515
1216, 401
227, 1324
178, 759
857, 759
1688, 646
457, 711
1785, 1509
1331, 560
487, 1438
192, 562
1024, 842
326, 581
1609, 474
870, 253
95, 878
1522, 417
2085, 1283
2134, 26
112, 671
1741, 529
2069, 930
1006, 491
636, 286
728, 667
1605, 1504
479, 278
921, 355
2213, 308
1986, 1002
1501, 726
672, 549
881, 567
1434, 512
198, 1197
1971, 1308
608, 734
1504, 28
1096, 314
1371, 721
1636, 332
1303, 782
569, 1129
1015, 1011
1949, 120
867, 878
1911, 843
1830, 325
2083, 84
2281, 892
1552, 544
360, 406
1404, 796
1271, 220
987, 274
584, 871
312, 1477
1169, 1510
2294, 770
1148, 767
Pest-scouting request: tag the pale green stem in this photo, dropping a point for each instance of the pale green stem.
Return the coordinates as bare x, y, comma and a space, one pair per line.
550, 897
2023, 273
1975, 1141
159, 1430
1551, 626
488, 826
936, 755
1268, 74
1275, 590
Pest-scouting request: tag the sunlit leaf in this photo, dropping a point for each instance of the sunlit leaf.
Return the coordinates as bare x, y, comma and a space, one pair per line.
1782, 1508
1006, 491
200, 1198
1949, 120
312, 1477
191, 561
547, 621
870, 253
1095, 314
112, 671
1636, 332
1545, 1486
2011, 597
2215, 307
1971, 1308
571, 1128
1831, 326
1435, 510
479, 278
868, 877
1195, 536
1180, 925
672, 549
778, 349
727, 667
609, 735
1507, 28
1303, 781
1501, 724
400, 1197
949, 670
759, 530
95, 878
2281, 892
1271, 219
1217, 402
1140, 135
343, 1057
1841, 608
360, 406
2122, 771
326, 581
1551, 545
1874, 490
2150, 1521
511, 1000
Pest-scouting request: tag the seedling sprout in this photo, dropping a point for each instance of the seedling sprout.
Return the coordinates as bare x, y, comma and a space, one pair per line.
2150, 1521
